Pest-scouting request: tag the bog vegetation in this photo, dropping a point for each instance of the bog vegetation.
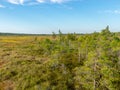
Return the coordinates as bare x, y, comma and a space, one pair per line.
60, 62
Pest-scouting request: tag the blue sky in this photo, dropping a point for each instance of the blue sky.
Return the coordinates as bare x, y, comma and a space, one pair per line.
47, 16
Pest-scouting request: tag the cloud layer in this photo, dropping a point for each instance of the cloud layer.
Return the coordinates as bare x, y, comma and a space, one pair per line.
16, 1
38, 1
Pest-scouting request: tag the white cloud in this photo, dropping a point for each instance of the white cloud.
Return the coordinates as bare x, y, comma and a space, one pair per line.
57, 1
112, 11
53, 1
21, 2
60, 1
2, 6
40, 1
16, 1
117, 11
13, 1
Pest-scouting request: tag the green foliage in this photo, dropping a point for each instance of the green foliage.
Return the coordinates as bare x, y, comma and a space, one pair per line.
66, 62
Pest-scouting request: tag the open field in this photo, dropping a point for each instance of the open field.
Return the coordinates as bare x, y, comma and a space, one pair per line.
13, 49
62, 62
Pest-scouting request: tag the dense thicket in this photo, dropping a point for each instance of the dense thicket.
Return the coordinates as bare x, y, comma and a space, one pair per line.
72, 62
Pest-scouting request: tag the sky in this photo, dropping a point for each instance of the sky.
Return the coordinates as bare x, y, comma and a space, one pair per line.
47, 16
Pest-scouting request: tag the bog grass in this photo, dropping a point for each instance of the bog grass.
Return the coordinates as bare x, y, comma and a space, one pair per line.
18, 67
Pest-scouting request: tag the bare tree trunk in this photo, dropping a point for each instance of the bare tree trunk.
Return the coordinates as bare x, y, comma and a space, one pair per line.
94, 74
79, 56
